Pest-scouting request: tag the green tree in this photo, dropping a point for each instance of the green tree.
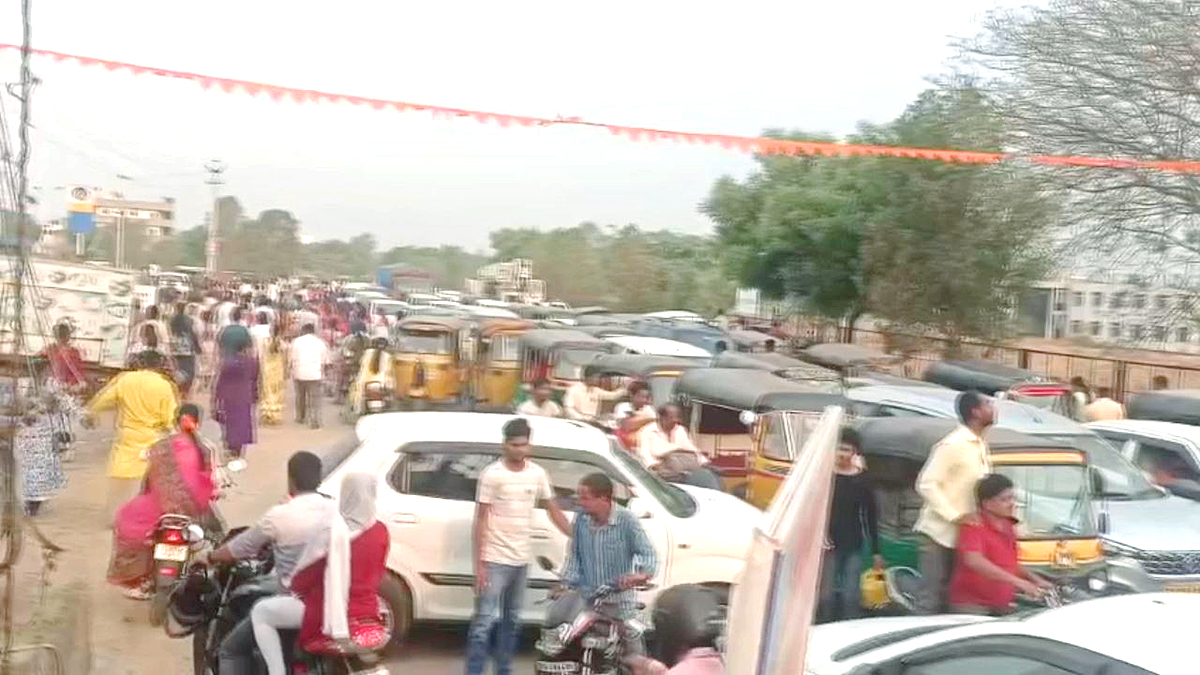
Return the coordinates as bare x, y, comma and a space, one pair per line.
796, 228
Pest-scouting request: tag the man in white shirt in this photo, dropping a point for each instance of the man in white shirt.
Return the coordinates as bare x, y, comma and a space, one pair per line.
509, 491
582, 400
659, 445
637, 412
947, 484
308, 358
540, 404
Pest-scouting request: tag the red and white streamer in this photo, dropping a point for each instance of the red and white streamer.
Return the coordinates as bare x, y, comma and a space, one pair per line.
752, 144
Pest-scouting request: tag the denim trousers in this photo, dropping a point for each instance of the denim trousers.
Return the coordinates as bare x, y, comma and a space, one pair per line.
498, 608
840, 595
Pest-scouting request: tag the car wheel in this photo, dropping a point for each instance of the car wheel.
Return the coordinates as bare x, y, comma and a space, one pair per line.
397, 598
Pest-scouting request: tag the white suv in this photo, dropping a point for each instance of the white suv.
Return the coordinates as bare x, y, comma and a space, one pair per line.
428, 464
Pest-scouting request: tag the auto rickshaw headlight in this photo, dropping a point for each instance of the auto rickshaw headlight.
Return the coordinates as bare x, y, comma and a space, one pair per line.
1098, 582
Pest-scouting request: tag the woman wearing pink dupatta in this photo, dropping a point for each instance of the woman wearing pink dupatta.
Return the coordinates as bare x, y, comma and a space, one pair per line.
178, 480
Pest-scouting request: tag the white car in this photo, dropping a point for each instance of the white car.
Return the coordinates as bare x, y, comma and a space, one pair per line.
641, 344
1146, 634
428, 464
1147, 443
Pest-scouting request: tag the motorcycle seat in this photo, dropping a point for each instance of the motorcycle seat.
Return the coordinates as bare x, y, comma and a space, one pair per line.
366, 638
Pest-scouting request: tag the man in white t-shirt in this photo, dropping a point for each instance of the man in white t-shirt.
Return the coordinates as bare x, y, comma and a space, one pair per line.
308, 358
509, 491
540, 405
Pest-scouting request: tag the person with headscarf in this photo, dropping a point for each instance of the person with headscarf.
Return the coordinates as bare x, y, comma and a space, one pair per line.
333, 598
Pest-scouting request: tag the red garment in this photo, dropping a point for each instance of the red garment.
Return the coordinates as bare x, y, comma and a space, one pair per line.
66, 364
996, 539
368, 555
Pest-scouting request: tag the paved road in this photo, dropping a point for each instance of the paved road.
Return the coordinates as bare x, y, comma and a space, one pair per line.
123, 640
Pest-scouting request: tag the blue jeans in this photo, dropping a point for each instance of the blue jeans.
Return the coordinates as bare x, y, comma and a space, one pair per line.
500, 603
840, 595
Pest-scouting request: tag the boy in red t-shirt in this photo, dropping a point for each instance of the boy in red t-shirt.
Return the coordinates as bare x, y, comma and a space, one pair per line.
987, 574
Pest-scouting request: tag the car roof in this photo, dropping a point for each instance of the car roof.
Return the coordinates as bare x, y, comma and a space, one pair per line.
656, 345
842, 354
470, 427
641, 365
747, 389
1185, 431
1170, 405
913, 438
1152, 631
939, 401
555, 338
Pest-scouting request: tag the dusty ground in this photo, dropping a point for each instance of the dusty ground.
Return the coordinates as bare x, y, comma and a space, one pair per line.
122, 638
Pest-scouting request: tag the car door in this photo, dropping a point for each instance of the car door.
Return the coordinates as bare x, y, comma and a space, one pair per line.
1007, 655
429, 509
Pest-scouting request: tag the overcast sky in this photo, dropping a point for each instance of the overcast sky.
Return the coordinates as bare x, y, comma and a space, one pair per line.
720, 67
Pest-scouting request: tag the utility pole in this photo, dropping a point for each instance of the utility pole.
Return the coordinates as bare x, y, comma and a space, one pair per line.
214, 168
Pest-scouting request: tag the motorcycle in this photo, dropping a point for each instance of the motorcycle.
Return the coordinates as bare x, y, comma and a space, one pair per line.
177, 538
215, 599
584, 634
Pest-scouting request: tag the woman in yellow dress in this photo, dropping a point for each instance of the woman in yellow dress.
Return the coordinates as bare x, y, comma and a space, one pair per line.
273, 358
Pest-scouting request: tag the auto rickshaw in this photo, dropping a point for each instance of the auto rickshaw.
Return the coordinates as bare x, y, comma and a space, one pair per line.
659, 372
1058, 534
997, 379
431, 357
778, 365
751, 341
1181, 406
558, 356
849, 359
713, 400
496, 367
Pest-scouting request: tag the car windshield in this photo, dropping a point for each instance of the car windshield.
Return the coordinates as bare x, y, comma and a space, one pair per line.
423, 342
1122, 480
676, 501
1052, 500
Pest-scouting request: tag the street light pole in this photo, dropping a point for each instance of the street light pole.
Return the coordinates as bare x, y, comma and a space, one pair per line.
214, 168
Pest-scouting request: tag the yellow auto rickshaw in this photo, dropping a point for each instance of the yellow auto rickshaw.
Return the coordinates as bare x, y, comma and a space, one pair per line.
431, 359
719, 406
496, 368
558, 356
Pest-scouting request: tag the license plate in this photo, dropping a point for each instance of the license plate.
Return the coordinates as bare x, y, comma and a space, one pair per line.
1182, 588
171, 552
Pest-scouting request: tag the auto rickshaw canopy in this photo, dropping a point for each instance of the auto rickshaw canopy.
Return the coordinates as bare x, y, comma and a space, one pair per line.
912, 438
782, 365
432, 323
841, 356
753, 390
1181, 406
639, 366
548, 339
987, 377
491, 326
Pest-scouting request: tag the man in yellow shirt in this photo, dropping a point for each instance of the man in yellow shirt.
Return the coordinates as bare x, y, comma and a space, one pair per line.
145, 400
947, 484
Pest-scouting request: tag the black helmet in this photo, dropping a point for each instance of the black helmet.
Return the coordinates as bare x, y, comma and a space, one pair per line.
686, 617
192, 603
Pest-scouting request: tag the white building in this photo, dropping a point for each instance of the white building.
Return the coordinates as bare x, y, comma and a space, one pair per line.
1149, 311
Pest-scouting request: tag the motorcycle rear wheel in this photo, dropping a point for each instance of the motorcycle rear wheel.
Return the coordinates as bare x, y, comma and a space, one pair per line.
200, 664
158, 605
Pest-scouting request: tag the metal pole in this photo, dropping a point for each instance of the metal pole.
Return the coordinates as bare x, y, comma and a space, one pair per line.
214, 168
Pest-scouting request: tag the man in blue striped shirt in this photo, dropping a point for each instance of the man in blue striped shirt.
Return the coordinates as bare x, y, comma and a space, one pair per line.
609, 548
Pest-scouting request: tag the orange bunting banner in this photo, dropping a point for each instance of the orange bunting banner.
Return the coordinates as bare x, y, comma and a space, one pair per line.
751, 144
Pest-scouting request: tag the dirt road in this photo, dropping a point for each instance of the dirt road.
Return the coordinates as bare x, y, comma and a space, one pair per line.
123, 640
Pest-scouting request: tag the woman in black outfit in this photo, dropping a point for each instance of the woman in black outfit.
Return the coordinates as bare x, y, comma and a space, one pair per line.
852, 519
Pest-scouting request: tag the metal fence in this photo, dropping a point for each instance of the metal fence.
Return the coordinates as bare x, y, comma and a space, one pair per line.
1122, 376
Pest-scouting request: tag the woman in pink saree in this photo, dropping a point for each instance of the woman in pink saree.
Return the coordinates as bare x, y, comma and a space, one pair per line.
178, 480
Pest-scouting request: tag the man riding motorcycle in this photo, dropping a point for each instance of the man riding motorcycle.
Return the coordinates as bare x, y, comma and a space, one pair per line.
287, 529
351, 352
375, 366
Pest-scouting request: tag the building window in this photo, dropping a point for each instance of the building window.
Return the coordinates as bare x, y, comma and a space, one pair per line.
1077, 299
1097, 299
1076, 327
1060, 300
1160, 333
1117, 300
1139, 301
1137, 331
1160, 301
1186, 303
1183, 334
1095, 329
1114, 329
153, 232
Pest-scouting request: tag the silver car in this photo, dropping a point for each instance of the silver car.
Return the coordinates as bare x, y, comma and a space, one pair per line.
1152, 537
